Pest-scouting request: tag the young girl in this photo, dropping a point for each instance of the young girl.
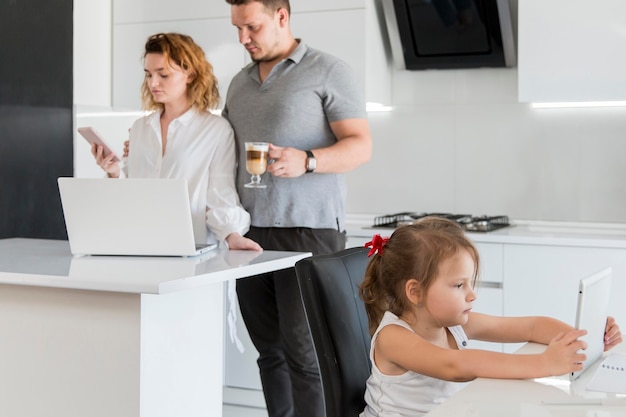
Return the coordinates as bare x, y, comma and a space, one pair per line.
418, 291
181, 138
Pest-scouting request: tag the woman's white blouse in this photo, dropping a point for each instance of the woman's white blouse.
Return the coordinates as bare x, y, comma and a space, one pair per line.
201, 149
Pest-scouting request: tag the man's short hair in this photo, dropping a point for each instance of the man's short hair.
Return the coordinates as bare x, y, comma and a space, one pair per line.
272, 5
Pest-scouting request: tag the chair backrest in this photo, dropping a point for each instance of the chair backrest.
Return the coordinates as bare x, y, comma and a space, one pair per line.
329, 286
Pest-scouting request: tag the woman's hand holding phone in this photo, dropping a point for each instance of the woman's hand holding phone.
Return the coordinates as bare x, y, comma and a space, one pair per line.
107, 163
106, 158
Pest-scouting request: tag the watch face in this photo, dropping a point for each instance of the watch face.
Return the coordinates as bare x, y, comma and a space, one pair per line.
311, 164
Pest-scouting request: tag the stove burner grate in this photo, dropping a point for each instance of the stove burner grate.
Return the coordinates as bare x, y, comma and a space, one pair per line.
468, 222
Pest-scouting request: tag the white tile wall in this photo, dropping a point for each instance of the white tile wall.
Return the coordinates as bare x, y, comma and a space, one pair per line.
298, 6
459, 141
131, 12
339, 33
92, 52
114, 129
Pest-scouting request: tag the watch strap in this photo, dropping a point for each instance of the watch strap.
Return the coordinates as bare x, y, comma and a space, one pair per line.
309, 155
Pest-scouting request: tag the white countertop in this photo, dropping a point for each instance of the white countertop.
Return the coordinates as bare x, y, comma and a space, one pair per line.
540, 397
605, 235
49, 263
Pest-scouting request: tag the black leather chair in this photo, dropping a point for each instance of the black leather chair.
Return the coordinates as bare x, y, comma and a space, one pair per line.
339, 328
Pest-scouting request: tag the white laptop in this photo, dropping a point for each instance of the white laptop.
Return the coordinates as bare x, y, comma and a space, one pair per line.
135, 217
594, 293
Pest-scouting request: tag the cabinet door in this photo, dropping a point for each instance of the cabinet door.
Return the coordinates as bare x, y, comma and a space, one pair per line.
568, 50
489, 288
357, 241
543, 280
240, 367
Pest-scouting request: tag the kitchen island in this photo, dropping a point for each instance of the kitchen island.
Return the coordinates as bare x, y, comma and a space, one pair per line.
115, 336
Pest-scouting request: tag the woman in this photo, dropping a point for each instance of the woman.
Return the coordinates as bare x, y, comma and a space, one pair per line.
181, 138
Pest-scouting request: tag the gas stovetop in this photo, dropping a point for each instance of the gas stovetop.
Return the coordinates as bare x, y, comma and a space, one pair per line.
467, 221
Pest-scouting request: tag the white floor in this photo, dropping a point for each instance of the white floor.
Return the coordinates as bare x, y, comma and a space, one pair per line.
242, 411
240, 402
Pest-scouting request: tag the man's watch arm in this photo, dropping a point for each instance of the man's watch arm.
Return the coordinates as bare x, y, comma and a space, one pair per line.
310, 162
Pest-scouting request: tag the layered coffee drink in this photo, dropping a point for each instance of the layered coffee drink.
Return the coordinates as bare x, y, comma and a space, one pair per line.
256, 162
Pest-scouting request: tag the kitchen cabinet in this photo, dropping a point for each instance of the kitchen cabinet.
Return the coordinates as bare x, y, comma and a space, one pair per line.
242, 382
239, 360
543, 280
358, 241
571, 50
489, 292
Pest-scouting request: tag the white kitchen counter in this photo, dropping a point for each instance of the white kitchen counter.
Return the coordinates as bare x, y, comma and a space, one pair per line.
48, 263
604, 235
105, 336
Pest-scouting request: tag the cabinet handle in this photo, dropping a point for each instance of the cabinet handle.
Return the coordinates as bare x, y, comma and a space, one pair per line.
488, 284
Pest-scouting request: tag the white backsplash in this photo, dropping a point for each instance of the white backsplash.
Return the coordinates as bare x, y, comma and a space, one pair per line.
458, 141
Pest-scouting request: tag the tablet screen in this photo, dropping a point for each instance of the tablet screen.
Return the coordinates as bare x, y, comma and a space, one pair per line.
594, 294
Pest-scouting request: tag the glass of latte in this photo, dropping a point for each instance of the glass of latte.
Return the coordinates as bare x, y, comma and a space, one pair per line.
256, 162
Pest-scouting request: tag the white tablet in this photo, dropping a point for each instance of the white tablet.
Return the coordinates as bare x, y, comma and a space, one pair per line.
594, 294
92, 136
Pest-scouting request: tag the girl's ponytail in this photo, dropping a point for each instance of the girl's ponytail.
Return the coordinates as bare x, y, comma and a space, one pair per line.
372, 293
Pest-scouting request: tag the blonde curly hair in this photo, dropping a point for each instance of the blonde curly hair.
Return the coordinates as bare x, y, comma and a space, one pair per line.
182, 51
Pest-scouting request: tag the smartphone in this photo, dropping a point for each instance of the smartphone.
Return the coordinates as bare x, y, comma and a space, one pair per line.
92, 136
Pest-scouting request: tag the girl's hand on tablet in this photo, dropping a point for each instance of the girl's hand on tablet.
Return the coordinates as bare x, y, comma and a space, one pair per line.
612, 334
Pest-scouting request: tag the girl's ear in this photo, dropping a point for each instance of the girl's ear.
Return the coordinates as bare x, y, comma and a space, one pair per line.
413, 291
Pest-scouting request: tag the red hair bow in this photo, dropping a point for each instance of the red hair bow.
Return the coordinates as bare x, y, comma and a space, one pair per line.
377, 244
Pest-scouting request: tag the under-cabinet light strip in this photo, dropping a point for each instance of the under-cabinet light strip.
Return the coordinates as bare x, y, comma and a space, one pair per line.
576, 104
377, 107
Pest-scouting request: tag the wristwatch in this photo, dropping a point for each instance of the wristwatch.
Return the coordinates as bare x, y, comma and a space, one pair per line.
311, 162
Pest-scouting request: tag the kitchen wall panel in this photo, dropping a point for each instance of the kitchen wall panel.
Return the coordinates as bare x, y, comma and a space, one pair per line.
327, 32
410, 169
497, 173
217, 37
36, 143
131, 12
301, 6
92, 53
603, 171
504, 156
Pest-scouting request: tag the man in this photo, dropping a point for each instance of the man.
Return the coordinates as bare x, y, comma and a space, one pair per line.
308, 106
